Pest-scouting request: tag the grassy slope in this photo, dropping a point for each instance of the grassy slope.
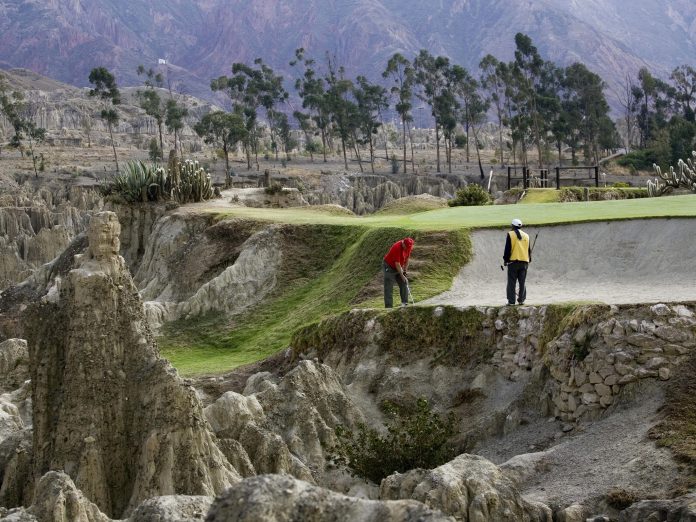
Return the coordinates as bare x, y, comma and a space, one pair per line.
211, 344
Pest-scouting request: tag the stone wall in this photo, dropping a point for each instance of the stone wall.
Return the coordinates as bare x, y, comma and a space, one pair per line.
591, 352
595, 359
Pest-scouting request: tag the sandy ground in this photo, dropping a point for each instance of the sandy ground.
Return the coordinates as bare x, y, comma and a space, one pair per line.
637, 261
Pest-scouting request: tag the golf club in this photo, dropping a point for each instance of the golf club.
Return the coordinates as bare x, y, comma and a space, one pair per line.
408, 287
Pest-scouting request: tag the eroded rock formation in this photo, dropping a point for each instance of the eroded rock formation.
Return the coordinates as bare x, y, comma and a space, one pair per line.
35, 227
107, 409
367, 193
278, 498
468, 488
287, 425
14, 364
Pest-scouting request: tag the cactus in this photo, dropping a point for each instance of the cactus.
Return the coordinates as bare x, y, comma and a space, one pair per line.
684, 176
193, 183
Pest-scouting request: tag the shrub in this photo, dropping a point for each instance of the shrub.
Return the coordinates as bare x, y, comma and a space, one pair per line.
154, 151
470, 196
275, 189
460, 141
417, 438
394, 165
621, 184
639, 160
620, 498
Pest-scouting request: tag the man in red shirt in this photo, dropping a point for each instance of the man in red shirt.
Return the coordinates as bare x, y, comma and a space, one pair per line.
394, 267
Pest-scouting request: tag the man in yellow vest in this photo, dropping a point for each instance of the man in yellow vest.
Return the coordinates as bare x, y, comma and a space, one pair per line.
517, 256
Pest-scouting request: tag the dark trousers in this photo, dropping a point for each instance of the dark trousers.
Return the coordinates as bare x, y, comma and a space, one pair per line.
391, 276
517, 271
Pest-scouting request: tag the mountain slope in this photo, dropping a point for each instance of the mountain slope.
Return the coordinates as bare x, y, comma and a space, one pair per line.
64, 39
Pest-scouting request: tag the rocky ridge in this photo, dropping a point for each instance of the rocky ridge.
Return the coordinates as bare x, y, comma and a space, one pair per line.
38, 225
96, 414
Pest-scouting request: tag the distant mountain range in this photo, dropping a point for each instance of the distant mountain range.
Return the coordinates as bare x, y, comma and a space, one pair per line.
200, 39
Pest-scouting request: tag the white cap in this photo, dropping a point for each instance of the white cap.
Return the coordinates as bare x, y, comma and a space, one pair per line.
516, 223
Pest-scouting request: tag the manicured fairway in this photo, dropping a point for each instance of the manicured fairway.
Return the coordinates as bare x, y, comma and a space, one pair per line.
488, 216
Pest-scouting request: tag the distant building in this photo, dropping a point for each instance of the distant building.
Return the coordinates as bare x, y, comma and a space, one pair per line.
162, 61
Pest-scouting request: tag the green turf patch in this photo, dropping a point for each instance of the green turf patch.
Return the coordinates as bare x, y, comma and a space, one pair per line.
490, 215
541, 196
332, 265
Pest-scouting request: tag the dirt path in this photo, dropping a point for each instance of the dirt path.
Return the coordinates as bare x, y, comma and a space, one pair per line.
637, 261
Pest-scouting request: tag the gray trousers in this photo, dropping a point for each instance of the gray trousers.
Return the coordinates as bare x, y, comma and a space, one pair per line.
517, 272
391, 276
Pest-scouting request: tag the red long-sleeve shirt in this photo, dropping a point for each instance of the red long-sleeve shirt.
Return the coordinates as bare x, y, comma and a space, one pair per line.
398, 253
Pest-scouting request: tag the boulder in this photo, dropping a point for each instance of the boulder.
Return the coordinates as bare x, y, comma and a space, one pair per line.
172, 508
58, 500
682, 509
278, 498
468, 488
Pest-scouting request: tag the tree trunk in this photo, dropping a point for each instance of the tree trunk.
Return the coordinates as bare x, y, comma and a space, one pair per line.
345, 157
159, 126
357, 153
478, 152
372, 156
437, 144
323, 143
410, 142
113, 146
500, 137
403, 123
227, 165
560, 159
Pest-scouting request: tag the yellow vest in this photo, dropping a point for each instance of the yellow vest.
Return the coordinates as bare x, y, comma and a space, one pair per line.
519, 250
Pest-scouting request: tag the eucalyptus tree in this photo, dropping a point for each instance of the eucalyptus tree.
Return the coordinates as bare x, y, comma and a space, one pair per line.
280, 131
684, 82
371, 100
12, 105
174, 119
251, 88
586, 106
402, 73
151, 102
312, 90
340, 106
431, 76
474, 108
223, 129
307, 126
493, 84
105, 89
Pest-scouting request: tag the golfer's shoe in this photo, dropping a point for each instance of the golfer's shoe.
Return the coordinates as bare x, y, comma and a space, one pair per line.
404, 304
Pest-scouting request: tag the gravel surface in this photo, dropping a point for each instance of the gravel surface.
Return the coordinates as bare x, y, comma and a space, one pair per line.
581, 466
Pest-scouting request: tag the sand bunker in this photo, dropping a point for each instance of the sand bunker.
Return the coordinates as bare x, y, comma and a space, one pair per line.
637, 261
